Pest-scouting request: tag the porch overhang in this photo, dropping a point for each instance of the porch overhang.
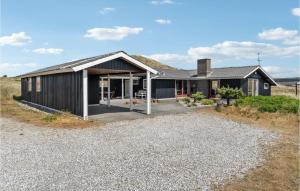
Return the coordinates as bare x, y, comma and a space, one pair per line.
119, 64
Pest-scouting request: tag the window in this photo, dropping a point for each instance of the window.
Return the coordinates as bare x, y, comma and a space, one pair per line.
135, 82
144, 84
104, 83
266, 86
38, 84
214, 84
29, 84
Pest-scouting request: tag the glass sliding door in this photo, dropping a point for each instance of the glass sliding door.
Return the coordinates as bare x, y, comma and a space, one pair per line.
181, 87
214, 86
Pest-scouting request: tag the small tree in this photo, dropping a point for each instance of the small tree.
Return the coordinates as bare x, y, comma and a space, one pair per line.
229, 93
198, 96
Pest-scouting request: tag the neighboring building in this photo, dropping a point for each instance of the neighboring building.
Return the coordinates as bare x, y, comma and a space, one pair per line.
73, 86
288, 81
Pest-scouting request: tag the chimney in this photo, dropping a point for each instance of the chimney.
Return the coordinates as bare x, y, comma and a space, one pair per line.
203, 67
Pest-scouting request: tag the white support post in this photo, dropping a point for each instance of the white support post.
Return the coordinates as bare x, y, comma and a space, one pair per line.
188, 83
175, 90
148, 93
102, 90
182, 87
108, 90
122, 88
130, 91
85, 94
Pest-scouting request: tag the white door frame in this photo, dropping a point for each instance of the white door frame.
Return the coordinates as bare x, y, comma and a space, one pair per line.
256, 87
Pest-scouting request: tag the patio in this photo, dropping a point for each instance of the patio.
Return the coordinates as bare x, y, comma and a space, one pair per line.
120, 110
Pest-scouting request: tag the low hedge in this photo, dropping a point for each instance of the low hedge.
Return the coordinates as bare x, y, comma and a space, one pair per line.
284, 104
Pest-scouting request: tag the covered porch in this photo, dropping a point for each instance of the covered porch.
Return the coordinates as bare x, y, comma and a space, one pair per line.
114, 78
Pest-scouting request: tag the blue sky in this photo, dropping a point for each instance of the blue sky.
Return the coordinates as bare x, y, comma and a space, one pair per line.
36, 34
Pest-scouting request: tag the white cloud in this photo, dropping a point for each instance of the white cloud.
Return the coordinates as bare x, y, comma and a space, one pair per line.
160, 2
296, 12
277, 34
15, 39
228, 50
272, 69
116, 33
15, 69
292, 41
163, 21
106, 10
288, 37
171, 58
280, 71
48, 50
242, 50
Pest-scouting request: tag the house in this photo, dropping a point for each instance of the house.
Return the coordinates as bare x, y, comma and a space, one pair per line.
73, 86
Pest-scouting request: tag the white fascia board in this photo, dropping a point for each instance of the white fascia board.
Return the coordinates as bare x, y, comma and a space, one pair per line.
251, 72
258, 67
112, 57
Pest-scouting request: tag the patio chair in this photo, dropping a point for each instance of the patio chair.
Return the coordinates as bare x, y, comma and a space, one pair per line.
140, 94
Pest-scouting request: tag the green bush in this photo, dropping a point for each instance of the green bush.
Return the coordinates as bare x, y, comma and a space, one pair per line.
207, 101
284, 104
229, 93
198, 96
186, 100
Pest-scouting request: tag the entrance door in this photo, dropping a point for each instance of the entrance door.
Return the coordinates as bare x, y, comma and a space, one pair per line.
253, 87
126, 88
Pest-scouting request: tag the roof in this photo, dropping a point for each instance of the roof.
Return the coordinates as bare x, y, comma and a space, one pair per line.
162, 73
217, 73
292, 81
240, 72
87, 62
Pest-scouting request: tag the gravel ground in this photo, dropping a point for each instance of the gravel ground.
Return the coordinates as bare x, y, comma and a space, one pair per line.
174, 152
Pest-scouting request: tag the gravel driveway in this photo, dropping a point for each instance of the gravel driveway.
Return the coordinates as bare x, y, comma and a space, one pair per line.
174, 152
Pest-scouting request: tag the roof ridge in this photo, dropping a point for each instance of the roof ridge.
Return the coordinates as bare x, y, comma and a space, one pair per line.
238, 66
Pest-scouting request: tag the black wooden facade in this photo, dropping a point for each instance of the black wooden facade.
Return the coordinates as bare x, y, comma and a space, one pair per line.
163, 89
58, 91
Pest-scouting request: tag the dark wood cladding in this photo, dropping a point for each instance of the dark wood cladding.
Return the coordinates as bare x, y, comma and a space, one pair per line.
163, 89
117, 66
58, 91
93, 89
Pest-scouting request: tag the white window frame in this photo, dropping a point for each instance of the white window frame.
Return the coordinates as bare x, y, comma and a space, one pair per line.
218, 84
105, 83
144, 84
38, 85
29, 85
266, 86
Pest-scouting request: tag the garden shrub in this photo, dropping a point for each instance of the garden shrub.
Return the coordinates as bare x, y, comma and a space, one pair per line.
229, 93
198, 96
284, 104
186, 100
207, 101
